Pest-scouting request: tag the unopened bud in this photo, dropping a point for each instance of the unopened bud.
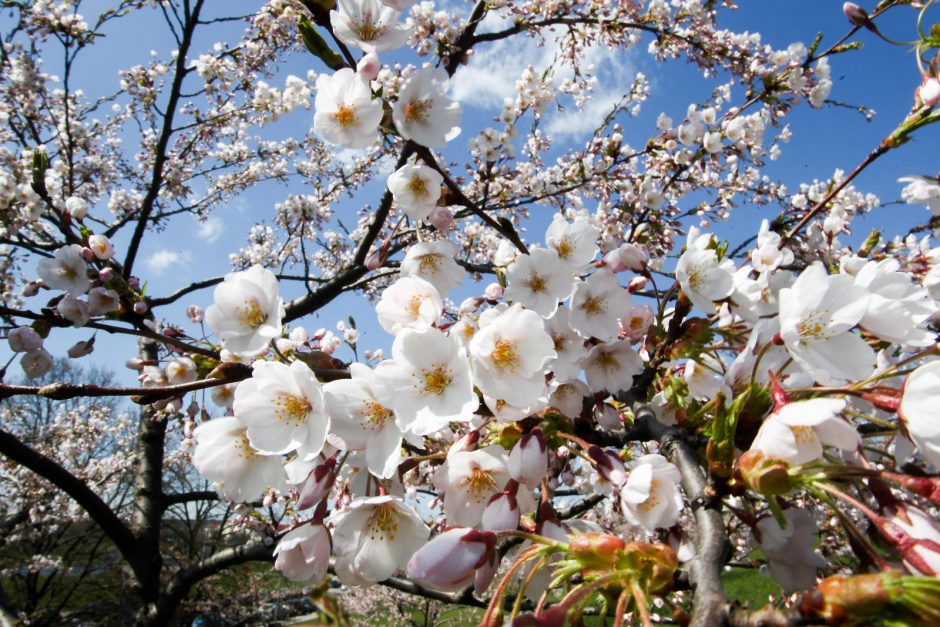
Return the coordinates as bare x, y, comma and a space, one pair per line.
763, 474
842, 599
106, 274
318, 484
450, 561
609, 465
929, 91
887, 399
369, 66
30, 289
595, 550
76, 207
442, 219
636, 284
502, 512
607, 416
24, 340
493, 291
87, 254
140, 308
134, 363
528, 461
855, 14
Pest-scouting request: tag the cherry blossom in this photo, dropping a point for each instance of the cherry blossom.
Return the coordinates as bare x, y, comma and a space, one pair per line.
346, 113
650, 497
368, 24
303, 554
66, 270
422, 113
468, 480
919, 410
416, 190
409, 303
797, 431
435, 263
247, 311
575, 242
539, 280
597, 305
789, 549
703, 276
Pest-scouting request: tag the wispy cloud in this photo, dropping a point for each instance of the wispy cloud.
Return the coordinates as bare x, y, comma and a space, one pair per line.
163, 259
210, 229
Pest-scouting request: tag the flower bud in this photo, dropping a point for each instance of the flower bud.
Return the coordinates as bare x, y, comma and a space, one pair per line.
140, 308
493, 291
842, 598
101, 246
467, 442
915, 536
318, 484
442, 219
653, 565
636, 284
449, 561
763, 474
502, 512
30, 289
87, 254
36, 363
134, 363
195, 314
528, 461
24, 340
76, 207
106, 274
929, 91
369, 66
133, 283
607, 416
81, 348
595, 550
855, 14
609, 465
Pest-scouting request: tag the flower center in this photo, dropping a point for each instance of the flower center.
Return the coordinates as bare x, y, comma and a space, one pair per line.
244, 448
804, 435
416, 111
593, 306
376, 415
414, 306
505, 356
695, 278
436, 379
429, 264
418, 187
383, 523
251, 314
346, 116
479, 484
368, 29
536, 282
652, 501
564, 247
559, 342
291, 409
608, 363
811, 327
69, 272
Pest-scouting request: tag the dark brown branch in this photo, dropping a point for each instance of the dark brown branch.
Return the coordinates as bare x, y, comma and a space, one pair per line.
190, 497
112, 526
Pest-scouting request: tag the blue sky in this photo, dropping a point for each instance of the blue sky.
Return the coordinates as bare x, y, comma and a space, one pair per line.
880, 76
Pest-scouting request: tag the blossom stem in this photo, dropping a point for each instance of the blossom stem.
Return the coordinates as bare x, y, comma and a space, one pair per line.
520, 594
490, 619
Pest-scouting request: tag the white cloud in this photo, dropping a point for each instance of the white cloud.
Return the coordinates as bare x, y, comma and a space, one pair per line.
210, 229
494, 68
163, 259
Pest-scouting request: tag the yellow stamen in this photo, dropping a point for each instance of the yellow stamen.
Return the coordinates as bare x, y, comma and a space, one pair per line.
346, 116
383, 523
652, 501
291, 409
435, 379
504, 355
479, 484
594, 306
251, 314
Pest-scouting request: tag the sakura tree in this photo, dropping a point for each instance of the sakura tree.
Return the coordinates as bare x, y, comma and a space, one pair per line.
588, 398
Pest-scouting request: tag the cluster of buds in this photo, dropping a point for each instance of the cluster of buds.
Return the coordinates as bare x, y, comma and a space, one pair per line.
762, 473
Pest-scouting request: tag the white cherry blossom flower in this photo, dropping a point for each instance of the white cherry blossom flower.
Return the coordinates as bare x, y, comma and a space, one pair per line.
247, 311
65, 270
468, 480
303, 554
427, 381
637, 322
703, 278
539, 280
920, 410
510, 354
797, 431
816, 317
416, 189
790, 555
423, 113
376, 537
368, 24
24, 340
346, 114
409, 303
435, 263
768, 256
568, 397
611, 366
575, 242
450, 561
282, 408
922, 190
897, 308
224, 456
36, 363
569, 346
650, 498
360, 421
597, 305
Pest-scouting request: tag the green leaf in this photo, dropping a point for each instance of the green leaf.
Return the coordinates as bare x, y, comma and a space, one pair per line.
317, 46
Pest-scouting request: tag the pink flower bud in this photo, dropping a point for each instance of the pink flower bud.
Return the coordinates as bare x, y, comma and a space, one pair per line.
915, 536
30, 289
106, 274
134, 363
493, 291
449, 561
613, 261
609, 465
133, 283
318, 484
140, 308
24, 340
81, 348
87, 254
502, 512
929, 92
36, 363
268, 500
855, 14
466, 442
369, 66
469, 305
636, 284
195, 314
528, 461
442, 219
